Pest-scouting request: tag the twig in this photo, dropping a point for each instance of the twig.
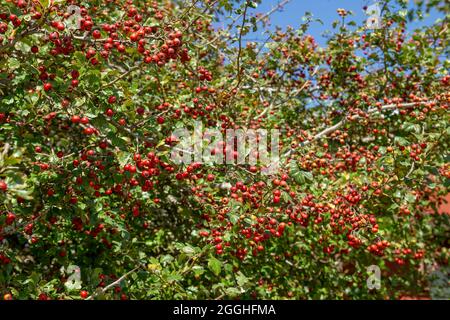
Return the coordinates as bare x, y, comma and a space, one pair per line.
410, 171
343, 121
123, 75
274, 9
370, 111
238, 68
112, 284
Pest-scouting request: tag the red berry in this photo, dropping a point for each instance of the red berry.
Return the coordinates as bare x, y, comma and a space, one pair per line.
75, 74
65, 103
10, 217
112, 99
160, 120
96, 34
7, 296
43, 296
48, 86
3, 186
109, 112
89, 131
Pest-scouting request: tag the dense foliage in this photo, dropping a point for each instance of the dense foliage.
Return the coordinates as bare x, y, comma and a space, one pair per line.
87, 182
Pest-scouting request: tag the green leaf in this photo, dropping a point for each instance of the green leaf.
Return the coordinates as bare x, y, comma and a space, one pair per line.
401, 141
188, 250
300, 176
241, 279
233, 218
174, 277
13, 63
232, 291
410, 198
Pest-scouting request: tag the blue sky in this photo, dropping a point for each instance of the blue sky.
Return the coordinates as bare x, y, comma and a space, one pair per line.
323, 9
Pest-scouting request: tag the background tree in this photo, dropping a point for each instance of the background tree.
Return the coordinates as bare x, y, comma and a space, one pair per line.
86, 179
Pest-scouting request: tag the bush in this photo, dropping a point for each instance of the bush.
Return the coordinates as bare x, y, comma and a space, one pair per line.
93, 205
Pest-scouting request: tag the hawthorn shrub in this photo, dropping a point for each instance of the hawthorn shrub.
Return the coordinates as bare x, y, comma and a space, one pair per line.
92, 207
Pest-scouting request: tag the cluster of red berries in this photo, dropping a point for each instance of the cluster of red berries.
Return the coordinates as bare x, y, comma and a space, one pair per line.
189, 172
204, 74
84, 121
16, 22
63, 45
402, 255
378, 248
4, 259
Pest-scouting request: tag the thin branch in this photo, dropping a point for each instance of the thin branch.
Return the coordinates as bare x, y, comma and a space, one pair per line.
274, 9
238, 63
343, 121
233, 21
123, 75
326, 131
17, 38
370, 111
112, 284
410, 171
